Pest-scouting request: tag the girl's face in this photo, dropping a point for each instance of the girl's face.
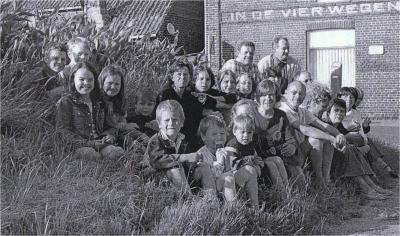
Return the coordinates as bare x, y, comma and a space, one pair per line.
203, 82
170, 124
268, 101
349, 99
228, 84
181, 78
145, 107
79, 53
84, 81
112, 85
336, 114
214, 137
245, 85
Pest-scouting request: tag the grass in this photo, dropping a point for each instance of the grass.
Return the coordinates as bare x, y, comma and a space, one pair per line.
45, 190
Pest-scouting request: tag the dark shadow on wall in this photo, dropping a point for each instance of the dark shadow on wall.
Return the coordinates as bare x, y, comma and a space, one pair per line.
228, 51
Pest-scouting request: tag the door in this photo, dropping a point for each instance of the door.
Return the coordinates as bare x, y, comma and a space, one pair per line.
327, 48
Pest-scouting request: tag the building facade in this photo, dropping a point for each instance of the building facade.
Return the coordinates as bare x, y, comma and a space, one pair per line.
341, 42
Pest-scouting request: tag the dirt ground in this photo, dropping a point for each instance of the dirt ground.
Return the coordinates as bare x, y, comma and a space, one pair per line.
375, 218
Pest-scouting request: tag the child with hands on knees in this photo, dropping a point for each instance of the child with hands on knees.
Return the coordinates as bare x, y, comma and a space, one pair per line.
82, 114
212, 130
244, 161
167, 150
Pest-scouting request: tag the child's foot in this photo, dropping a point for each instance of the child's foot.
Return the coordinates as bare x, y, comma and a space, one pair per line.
383, 191
393, 174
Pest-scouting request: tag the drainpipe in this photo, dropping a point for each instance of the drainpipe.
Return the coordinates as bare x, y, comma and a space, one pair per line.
219, 35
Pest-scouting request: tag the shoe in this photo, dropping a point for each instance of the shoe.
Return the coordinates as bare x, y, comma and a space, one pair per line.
393, 174
373, 196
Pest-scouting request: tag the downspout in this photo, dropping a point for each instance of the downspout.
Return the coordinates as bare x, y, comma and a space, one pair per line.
219, 35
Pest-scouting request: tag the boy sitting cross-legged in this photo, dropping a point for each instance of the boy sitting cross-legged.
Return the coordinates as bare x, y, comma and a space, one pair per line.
245, 162
166, 149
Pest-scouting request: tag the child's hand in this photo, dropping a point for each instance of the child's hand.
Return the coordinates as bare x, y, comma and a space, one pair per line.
98, 144
131, 126
354, 126
366, 122
221, 155
110, 139
288, 149
340, 140
191, 157
152, 125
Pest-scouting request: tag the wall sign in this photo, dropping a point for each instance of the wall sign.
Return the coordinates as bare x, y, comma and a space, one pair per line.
309, 12
375, 50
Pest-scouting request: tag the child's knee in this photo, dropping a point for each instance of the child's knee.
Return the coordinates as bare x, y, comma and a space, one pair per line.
87, 153
176, 176
316, 143
277, 160
111, 152
202, 171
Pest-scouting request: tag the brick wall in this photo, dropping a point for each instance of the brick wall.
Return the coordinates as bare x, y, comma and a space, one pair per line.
377, 75
188, 18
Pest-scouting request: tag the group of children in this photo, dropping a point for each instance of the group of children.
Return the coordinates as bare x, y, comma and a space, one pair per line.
218, 134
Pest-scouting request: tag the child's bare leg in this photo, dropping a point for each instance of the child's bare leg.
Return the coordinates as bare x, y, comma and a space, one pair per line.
282, 170
111, 152
327, 161
377, 188
274, 174
205, 175
365, 188
316, 156
298, 177
87, 153
247, 177
178, 179
226, 184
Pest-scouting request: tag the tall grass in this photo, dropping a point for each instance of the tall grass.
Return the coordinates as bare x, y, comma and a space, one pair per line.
44, 190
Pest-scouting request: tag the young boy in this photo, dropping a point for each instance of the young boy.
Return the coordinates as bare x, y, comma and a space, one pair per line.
45, 75
212, 130
166, 150
245, 86
317, 99
245, 162
304, 77
314, 137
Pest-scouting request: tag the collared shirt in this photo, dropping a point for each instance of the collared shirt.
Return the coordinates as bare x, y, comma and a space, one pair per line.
239, 68
175, 144
211, 160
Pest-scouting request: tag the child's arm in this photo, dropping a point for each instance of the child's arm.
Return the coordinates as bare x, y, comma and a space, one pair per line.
289, 147
159, 159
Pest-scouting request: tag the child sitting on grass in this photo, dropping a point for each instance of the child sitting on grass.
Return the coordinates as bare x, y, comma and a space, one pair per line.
167, 150
212, 130
143, 116
45, 75
245, 86
82, 113
274, 137
350, 161
179, 90
112, 88
245, 162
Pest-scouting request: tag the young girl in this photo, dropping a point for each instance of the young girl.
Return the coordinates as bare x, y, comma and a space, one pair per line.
350, 161
227, 87
245, 86
82, 112
275, 140
112, 89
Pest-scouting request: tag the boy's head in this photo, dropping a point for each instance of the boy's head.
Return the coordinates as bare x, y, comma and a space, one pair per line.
245, 84
349, 95
227, 82
56, 57
317, 98
78, 50
304, 77
295, 94
83, 80
204, 78
336, 110
212, 130
267, 94
246, 52
170, 118
145, 101
111, 81
243, 128
244, 106
181, 74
